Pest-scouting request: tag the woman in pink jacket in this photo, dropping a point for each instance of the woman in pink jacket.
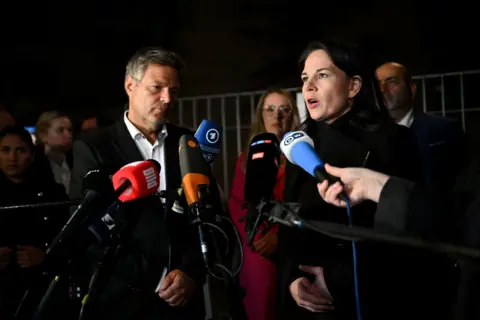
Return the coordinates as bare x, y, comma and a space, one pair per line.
276, 113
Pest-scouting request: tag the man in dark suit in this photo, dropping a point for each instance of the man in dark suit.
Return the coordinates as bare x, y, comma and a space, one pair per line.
441, 141
161, 239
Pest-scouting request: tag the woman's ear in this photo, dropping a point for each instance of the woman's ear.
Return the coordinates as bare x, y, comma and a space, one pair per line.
355, 86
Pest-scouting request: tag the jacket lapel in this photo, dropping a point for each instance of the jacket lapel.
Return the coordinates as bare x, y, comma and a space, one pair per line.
124, 144
172, 161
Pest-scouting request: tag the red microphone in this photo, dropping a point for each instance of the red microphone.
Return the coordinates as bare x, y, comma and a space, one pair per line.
136, 180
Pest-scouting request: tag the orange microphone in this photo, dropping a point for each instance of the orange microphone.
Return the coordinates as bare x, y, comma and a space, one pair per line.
195, 171
193, 168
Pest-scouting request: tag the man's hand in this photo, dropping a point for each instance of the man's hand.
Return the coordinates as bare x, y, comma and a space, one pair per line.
28, 256
359, 184
312, 296
5, 256
177, 288
266, 245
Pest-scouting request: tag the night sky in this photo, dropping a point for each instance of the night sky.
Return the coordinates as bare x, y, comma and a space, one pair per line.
72, 56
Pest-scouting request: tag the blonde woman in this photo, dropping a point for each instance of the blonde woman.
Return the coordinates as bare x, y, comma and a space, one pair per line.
276, 113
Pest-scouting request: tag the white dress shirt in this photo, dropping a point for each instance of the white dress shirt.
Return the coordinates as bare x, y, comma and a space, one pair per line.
61, 173
407, 120
149, 151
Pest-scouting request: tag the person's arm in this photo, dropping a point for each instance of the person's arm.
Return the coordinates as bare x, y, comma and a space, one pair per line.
403, 206
84, 160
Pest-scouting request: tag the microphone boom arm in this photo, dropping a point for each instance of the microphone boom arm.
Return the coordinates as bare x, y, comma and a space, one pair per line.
288, 214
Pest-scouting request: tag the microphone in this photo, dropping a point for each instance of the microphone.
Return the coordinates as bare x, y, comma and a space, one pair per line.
137, 180
95, 184
209, 136
193, 169
195, 181
260, 178
298, 147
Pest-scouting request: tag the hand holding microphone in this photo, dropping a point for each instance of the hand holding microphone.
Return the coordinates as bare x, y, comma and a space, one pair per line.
359, 184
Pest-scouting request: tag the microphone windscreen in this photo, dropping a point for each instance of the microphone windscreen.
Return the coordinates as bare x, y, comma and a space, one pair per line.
262, 165
143, 176
193, 168
98, 180
299, 149
209, 136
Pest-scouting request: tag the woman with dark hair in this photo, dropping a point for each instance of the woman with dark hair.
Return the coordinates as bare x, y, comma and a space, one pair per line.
350, 127
24, 233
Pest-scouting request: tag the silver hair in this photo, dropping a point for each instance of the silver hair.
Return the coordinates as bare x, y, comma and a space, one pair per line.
137, 65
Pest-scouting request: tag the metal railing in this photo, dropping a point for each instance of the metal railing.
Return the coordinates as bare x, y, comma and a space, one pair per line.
448, 94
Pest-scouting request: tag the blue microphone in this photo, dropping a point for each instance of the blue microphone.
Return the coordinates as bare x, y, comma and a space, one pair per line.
298, 148
209, 135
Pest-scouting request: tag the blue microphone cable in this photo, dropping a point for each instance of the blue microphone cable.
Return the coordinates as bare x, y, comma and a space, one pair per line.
355, 264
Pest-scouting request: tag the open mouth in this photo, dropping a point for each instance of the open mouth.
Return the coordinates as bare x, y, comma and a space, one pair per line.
312, 103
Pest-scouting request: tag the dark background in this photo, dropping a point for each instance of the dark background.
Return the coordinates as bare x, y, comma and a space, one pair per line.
71, 55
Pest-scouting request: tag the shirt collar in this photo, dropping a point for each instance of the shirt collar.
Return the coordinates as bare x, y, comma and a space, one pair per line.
407, 120
136, 134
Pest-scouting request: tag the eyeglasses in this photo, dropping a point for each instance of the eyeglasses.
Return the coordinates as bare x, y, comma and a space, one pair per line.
281, 109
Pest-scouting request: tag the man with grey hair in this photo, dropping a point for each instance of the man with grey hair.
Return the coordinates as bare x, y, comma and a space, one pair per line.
162, 242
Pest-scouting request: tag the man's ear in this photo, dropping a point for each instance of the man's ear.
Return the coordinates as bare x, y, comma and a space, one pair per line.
413, 90
130, 83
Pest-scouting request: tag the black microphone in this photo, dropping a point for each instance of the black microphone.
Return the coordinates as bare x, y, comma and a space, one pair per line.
96, 185
260, 178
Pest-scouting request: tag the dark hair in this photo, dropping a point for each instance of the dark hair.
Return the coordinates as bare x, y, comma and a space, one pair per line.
137, 65
20, 132
369, 109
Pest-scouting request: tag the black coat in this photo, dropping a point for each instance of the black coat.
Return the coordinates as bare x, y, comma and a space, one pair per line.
160, 239
28, 227
390, 149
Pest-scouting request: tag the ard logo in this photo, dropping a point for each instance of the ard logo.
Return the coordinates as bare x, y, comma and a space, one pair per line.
212, 136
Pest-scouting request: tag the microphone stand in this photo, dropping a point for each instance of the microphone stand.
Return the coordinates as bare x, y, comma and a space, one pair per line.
234, 293
74, 293
288, 214
105, 266
99, 279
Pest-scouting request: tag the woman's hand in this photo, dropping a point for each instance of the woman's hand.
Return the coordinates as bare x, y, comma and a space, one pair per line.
266, 245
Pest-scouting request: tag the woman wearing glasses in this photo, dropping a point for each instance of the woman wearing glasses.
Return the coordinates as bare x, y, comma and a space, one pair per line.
276, 113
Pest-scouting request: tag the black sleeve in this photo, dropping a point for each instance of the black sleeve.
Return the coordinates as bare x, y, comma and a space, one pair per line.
393, 205
84, 160
416, 209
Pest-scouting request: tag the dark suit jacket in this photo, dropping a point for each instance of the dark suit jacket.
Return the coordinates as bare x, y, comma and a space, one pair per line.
160, 238
442, 146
